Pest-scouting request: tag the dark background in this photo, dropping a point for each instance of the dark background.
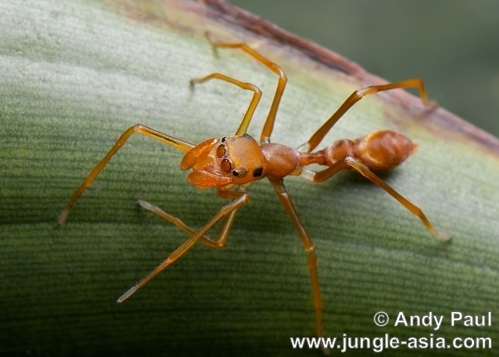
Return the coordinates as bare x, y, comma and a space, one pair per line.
452, 45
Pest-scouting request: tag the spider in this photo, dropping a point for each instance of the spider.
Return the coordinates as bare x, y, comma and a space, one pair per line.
231, 164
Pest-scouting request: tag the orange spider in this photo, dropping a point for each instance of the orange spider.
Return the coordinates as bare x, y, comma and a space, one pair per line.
233, 163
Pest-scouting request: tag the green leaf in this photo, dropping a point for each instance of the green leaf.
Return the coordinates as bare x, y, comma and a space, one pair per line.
76, 74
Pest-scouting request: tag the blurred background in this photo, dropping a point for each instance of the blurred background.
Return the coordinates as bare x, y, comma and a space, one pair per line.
452, 45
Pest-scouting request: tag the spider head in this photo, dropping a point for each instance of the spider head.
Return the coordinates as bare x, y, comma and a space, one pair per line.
231, 160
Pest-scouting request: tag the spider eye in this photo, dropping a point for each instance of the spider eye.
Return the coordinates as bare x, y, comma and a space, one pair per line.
221, 151
240, 172
226, 166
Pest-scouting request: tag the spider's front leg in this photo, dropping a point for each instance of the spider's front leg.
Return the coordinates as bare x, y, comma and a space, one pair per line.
281, 84
226, 210
226, 228
137, 128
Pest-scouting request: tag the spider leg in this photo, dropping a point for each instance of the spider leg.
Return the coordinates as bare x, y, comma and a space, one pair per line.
224, 233
350, 162
224, 211
257, 94
357, 95
309, 247
137, 128
281, 84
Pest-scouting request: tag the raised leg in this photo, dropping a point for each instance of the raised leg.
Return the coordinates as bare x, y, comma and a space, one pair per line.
357, 95
309, 247
350, 162
137, 128
257, 94
224, 233
281, 84
224, 211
